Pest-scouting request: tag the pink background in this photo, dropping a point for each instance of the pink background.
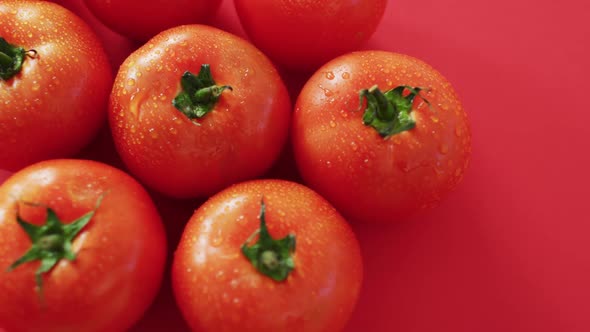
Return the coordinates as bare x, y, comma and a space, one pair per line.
509, 250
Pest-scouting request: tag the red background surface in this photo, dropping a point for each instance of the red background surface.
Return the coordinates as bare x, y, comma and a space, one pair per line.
509, 250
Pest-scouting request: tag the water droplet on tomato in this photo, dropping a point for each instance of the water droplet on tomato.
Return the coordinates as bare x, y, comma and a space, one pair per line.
434, 119
173, 131
153, 133
131, 82
345, 75
403, 166
217, 241
327, 92
330, 75
353, 146
332, 124
35, 86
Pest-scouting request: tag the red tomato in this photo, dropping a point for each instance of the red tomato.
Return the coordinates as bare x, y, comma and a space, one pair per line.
305, 34
102, 248
410, 154
293, 265
186, 135
142, 20
53, 104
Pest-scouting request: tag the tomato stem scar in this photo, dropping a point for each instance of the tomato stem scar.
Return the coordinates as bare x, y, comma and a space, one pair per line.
51, 241
199, 93
389, 113
11, 59
271, 257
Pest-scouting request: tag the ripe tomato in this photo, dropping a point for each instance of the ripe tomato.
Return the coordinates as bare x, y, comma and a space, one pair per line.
304, 34
54, 83
287, 263
97, 262
412, 150
142, 20
186, 135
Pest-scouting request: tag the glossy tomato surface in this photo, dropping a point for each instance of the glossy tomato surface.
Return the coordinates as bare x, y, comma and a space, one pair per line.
304, 34
57, 102
218, 289
368, 177
142, 20
119, 254
239, 138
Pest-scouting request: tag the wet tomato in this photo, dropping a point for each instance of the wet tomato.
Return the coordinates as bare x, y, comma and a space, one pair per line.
402, 149
267, 255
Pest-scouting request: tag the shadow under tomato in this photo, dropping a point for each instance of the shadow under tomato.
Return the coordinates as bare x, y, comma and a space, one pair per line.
164, 315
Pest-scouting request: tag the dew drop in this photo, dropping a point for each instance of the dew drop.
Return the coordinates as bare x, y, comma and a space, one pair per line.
329, 164
434, 119
327, 92
353, 146
153, 133
35, 86
173, 131
332, 124
131, 82
217, 241
345, 75
403, 166
330, 75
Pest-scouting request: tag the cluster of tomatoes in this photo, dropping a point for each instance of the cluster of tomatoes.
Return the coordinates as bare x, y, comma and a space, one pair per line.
197, 112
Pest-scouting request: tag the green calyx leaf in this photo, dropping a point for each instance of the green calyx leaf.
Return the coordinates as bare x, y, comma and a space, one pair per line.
390, 112
269, 256
11, 59
199, 93
51, 241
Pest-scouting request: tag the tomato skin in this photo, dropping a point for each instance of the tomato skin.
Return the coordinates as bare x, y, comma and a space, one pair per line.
142, 20
305, 34
120, 254
366, 177
239, 139
218, 289
58, 102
